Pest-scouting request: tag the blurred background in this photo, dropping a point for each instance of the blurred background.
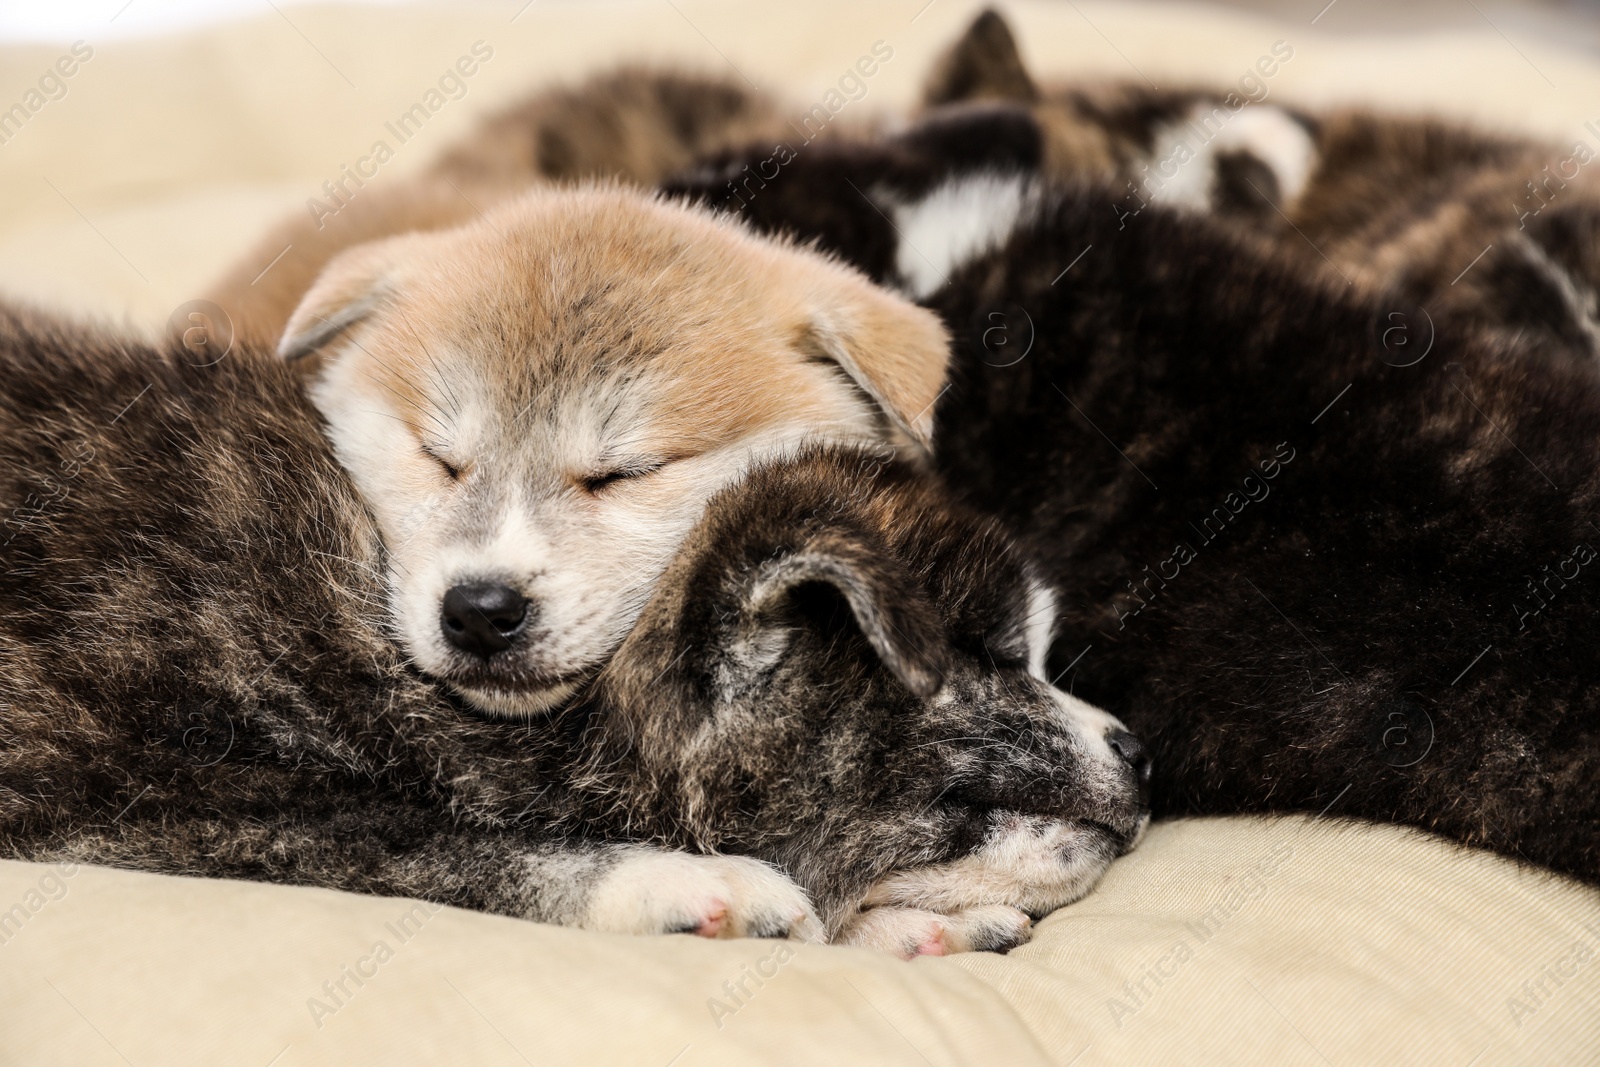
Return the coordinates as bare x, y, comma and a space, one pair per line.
188, 127
1574, 23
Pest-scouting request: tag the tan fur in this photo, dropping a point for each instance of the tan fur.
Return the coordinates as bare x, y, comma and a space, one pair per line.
259, 299
566, 336
635, 125
730, 337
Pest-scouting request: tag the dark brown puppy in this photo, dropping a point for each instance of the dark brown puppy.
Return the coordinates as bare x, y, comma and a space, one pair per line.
1320, 552
839, 676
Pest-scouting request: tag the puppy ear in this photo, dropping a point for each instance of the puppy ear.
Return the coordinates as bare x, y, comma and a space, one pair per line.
805, 587
348, 290
895, 352
983, 64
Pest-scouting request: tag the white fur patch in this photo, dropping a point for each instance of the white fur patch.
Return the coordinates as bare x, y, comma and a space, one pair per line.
912, 932
1090, 725
653, 892
1028, 862
1041, 623
1268, 133
1580, 303
955, 223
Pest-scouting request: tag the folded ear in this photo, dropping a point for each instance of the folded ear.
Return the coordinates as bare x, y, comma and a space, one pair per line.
894, 351
983, 64
350, 288
806, 588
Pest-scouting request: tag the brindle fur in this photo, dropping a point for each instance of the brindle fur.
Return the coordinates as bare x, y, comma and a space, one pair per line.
195, 676
1403, 628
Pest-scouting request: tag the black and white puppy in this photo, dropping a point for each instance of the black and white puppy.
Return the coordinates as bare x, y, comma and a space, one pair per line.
834, 707
1480, 224
1321, 551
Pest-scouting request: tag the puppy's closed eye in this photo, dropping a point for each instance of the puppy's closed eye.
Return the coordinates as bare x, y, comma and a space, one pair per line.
598, 483
450, 469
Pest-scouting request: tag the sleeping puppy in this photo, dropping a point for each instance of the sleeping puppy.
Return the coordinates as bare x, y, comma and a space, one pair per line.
1317, 569
1220, 150
537, 406
831, 717
1472, 224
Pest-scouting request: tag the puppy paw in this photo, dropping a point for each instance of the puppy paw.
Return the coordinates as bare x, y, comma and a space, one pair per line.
912, 932
988, 928
904, 932
651, 892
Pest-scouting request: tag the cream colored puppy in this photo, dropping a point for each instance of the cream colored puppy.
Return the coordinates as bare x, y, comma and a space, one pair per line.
537, 405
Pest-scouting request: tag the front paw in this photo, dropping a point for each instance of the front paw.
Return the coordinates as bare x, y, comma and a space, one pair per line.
912, 932
655, 892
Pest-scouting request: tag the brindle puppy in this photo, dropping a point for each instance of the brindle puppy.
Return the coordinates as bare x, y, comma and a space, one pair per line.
1320, 553
841, 676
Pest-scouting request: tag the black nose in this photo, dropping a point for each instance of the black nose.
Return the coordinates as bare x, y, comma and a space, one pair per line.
1135, 755
482, 619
